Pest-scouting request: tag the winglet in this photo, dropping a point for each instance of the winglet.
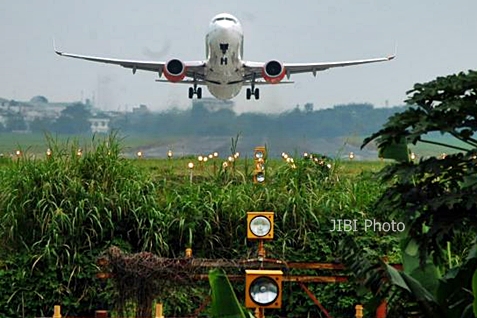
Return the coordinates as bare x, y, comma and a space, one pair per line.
54, 48
395, 53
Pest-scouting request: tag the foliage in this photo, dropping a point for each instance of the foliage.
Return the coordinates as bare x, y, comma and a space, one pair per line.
437, 195
342, 120
60, 213
409, 292
224, 302
73, 120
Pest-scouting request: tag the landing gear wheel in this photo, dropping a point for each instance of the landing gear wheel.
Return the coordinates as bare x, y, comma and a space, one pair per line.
199, 93
191, 92
257, 93
249, 93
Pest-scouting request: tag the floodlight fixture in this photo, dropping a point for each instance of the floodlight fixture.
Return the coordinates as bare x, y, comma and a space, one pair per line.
263, 288
260, 225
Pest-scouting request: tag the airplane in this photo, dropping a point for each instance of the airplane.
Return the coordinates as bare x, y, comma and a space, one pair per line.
224, 71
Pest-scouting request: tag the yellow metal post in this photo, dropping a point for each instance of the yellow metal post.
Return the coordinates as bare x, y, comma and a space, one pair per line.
359, 311
260, 313
159, 313
57, 312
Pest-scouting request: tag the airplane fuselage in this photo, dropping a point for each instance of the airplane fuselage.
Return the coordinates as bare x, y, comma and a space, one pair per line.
224, 53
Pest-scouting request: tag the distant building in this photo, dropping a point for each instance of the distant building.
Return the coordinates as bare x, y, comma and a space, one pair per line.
99, 124
213, 104
141, 110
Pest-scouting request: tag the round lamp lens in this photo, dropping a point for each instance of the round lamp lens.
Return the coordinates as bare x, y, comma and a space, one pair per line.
264, 290
259, 155
260, 177
260, 226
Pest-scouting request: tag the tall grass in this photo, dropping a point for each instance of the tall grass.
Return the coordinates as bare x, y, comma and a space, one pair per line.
59, 213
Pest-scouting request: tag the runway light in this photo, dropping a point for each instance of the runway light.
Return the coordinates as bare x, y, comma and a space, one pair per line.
305, 155
231, 159
139, 154
169, 154
190, 165
211, 156
413, 156
260, 225
205, 159
18, 153
225, 164
236, 155
48, 152
263, 288
216, 154
200, 158
259, 156
351, 155
79, 153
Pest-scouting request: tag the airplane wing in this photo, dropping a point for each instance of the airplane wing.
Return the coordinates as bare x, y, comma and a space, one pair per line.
254, 69
192, 67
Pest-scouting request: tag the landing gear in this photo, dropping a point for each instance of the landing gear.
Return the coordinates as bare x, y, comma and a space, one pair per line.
256, 93
195, 90
252, 90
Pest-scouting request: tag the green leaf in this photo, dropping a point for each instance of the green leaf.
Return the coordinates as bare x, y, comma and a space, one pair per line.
474, 290
395, 150
224, 301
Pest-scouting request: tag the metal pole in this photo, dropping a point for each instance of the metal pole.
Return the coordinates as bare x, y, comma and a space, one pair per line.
57, 312
159, 311
260, 313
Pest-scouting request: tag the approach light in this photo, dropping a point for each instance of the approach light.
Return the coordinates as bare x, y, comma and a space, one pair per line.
263, 288
236, 155
260, 153
190, 165
231, 159
211, 156
259, 176
200, 158
18, 153
216, 154
205, 159
169, 154
305, 155
260, 225
413, 156
79, 153
48, 152
225, 164
351, 155
139, 154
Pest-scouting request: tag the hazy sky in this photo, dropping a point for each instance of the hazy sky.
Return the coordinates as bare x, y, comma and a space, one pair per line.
434, 38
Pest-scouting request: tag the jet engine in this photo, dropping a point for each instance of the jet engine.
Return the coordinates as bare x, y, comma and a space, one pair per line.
174, 70
273, 71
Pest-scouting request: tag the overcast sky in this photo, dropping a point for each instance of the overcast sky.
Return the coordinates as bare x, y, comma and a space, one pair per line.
434, 38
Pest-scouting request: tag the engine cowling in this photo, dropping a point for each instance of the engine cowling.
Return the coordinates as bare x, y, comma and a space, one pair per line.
175, 70
273, 71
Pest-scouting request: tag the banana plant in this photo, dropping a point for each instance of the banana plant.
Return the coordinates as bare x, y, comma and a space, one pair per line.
224, 301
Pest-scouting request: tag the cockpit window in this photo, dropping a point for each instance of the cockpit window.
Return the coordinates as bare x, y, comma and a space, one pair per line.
225, 18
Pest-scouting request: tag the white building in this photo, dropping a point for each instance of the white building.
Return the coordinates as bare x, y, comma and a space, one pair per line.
99, 125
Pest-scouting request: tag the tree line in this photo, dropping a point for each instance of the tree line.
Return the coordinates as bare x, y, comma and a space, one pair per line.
340, 120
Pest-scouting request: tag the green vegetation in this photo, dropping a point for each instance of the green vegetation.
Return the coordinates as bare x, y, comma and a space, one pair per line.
436, 198
60, 213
